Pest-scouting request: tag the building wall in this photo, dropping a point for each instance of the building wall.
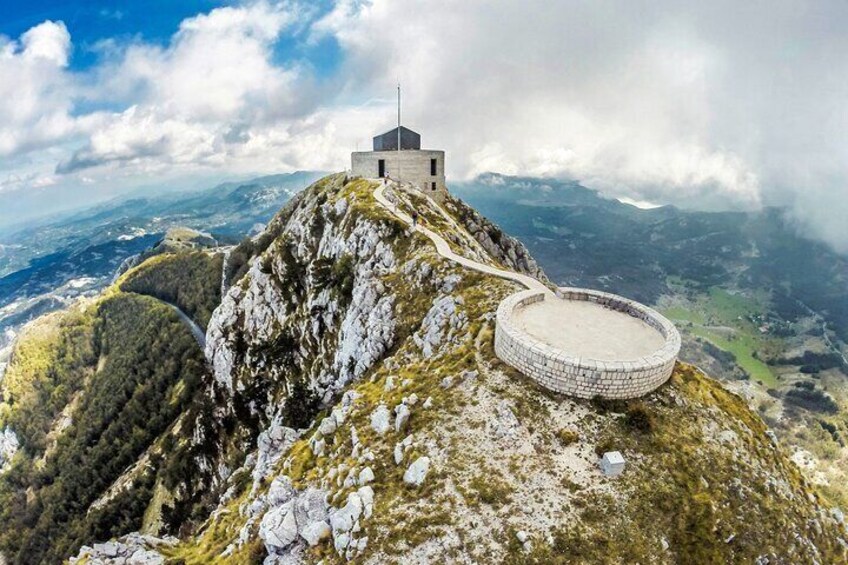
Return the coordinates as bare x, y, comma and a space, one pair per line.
413, 166
576, 376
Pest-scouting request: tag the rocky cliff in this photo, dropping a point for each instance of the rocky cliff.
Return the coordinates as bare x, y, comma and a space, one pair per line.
354, 410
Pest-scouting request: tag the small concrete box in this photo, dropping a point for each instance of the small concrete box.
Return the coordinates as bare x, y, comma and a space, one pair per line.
612, 463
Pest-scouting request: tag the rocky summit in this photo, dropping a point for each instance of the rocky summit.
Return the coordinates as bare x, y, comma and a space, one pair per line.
348, 406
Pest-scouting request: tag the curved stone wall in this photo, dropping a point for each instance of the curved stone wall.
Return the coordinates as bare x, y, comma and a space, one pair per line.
577, 376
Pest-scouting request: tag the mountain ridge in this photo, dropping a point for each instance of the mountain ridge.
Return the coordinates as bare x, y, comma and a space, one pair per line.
354, 409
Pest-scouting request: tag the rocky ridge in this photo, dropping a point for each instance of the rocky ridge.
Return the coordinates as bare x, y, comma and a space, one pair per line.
356, 412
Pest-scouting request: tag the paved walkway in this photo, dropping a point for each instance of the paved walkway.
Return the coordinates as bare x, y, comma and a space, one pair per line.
445, 251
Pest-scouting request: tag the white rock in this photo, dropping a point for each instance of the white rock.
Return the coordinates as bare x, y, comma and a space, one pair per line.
401, 417
8, 446
108, 549
504, 423
398, 453
272, 443
428, 403
366, 476
327, 426
380, 419
348, 398
447, 382
338, 415
521, 535
280, 491
345, 517
317, 446
366, 495
316, 531
411, 400
390, 384
417, 472
278, 528
341, 541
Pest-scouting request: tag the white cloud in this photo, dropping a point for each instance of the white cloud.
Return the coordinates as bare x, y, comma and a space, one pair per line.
714, 105
34, 88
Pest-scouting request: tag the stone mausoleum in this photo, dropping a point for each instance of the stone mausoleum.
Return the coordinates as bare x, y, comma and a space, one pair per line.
423, 168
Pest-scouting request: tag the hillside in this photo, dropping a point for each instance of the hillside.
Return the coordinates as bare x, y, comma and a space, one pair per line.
354, 410
759, 305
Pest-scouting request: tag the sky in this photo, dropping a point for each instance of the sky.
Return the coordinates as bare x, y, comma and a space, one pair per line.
705, 105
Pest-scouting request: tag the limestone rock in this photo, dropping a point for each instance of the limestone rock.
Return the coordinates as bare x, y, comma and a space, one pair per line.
328, 426
504, 423
401, 417
417, 472
315, 532
380, 419
8, 446
272, 443
366, 476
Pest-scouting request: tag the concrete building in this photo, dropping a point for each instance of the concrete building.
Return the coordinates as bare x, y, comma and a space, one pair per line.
423, 168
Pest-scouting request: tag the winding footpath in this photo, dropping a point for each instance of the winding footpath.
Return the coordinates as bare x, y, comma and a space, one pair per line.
445, 251
195, 329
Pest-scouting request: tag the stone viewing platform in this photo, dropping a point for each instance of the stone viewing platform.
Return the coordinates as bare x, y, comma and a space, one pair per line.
579, 342
586, 343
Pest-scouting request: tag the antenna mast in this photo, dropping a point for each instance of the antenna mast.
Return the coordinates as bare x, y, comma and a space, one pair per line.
398, 131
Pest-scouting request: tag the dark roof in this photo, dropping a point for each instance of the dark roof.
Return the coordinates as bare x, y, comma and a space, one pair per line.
389, 141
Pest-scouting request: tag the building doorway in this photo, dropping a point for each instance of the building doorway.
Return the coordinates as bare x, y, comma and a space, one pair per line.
381, 168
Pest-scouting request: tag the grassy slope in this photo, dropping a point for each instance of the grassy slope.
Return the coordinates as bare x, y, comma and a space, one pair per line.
134, 366
189, 280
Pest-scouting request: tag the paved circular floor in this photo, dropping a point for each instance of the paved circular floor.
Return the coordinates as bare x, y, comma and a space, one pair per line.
588, 330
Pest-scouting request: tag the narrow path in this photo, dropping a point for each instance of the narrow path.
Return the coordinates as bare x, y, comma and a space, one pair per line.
197, 332
194, 327
445, 251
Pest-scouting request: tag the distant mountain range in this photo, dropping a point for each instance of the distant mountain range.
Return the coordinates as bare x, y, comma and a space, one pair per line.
76, 255
583, 239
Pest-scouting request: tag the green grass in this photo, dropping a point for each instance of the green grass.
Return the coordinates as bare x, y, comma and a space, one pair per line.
742, 346
718, 307
681, 314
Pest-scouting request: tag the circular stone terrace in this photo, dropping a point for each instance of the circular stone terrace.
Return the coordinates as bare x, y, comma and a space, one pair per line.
580, 342
586, 343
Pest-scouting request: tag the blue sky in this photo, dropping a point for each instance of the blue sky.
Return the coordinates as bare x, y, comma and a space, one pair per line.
716, 105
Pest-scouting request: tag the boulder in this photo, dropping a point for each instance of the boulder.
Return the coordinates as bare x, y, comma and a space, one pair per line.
380, 419
366, 476
315, 532
328, 426
417, 472
278, 528
401, 417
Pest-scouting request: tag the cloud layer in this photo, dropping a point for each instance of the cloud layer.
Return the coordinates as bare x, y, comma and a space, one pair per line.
711, 105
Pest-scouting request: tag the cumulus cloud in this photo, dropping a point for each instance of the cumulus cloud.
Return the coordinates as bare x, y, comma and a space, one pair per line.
34, 89
711, 105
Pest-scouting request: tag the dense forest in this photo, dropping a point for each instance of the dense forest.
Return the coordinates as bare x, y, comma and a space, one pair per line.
130, 367
191, 281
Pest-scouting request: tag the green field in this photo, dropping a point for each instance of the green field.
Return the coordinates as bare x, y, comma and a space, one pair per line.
720, 317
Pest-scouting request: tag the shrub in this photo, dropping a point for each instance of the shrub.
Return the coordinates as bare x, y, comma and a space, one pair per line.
813, 400
639, 418
567, 437
301, 406
605, 405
